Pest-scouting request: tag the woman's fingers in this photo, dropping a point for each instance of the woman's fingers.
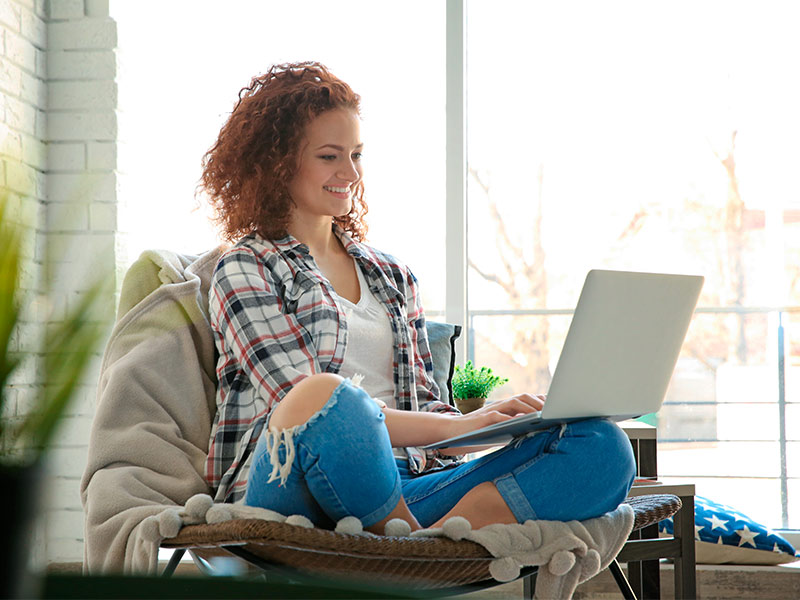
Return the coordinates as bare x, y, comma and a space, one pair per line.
521, 403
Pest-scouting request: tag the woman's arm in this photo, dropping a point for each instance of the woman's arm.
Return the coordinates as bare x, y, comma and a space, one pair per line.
409, 428
414, 428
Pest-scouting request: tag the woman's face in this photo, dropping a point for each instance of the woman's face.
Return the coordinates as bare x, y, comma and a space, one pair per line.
330, 166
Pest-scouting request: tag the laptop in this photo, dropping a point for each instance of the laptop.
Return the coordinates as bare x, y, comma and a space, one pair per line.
618, 356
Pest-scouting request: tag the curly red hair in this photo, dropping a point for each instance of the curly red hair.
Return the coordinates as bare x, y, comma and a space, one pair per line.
247, 171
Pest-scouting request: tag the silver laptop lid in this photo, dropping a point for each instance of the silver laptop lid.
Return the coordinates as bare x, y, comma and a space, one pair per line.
622, 345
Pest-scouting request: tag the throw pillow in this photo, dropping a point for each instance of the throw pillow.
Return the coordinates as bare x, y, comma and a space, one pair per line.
724, 535
442, 340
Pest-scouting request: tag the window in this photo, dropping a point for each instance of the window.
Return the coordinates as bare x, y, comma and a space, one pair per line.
658, 138
622, 135
182, 64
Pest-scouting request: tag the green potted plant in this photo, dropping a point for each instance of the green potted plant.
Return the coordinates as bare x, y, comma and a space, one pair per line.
66, 347
471, 386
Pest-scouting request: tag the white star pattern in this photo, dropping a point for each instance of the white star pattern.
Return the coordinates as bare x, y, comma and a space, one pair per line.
746, 536
714, 524
717, 523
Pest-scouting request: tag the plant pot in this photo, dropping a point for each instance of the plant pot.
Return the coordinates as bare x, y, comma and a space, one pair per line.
21, 491
467, 405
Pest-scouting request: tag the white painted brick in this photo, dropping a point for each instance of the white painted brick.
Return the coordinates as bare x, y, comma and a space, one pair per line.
56, 306
25, 373
40, 243
67, 490
20, 51
28, 337
10, 403
63, 522
10, 15
20, 178
73, 431
33, 90
33, 28
41, 184
14, 208
61, 550
97, 8
69, 156
26, 393
101, 94
83, 403
10, 78
68, 462
10, 144
103, 217
34, 152
40, 125
28, 277
66, 9
85, 34
67, 217
19, 115
69, 247
82, 187
79, 126
101, 156
41, 8
81, 64
28, 246
41, 64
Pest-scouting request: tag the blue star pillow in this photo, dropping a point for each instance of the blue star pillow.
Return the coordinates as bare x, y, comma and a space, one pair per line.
723, 535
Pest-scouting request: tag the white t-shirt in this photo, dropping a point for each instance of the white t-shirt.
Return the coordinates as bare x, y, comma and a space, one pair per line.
370, 344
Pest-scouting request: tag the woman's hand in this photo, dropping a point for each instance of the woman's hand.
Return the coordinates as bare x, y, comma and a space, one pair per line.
520, 404
412, 428
495, 412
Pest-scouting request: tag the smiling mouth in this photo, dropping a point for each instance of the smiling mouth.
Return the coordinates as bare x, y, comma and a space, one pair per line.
336, 190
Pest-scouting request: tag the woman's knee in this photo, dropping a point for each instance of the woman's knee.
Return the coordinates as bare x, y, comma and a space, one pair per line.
304, 400
614, 452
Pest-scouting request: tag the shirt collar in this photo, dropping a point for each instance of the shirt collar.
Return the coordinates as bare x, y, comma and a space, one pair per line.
351, 246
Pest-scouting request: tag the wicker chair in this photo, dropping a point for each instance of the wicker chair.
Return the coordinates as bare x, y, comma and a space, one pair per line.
447, 566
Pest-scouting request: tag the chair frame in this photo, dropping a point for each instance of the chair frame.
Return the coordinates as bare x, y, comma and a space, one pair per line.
289, 552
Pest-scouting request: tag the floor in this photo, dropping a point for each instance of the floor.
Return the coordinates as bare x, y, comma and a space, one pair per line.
714, 582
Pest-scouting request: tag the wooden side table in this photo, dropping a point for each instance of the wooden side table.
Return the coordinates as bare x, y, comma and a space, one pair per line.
644, 551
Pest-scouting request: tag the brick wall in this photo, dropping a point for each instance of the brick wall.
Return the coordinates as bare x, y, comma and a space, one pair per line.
57, 163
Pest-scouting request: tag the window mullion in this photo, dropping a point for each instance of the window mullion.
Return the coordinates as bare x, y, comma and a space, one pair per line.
456, 174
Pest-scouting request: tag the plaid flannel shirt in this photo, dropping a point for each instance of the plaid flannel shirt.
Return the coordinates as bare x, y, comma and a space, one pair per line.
276, 320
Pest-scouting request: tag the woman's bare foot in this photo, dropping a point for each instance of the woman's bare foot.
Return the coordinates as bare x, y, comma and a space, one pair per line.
398, 512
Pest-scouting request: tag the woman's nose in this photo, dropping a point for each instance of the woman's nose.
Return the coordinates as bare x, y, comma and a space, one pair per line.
349, 171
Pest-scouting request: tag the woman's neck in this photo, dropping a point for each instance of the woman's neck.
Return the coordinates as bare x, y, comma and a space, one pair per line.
319, 238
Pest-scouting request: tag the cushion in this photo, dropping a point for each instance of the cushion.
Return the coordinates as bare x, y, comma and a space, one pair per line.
723, 535
442, 340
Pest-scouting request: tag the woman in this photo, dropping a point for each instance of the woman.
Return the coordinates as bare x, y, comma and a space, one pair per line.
303, 310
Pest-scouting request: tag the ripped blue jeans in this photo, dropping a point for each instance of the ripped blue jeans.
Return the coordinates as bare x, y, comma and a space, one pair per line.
340, 463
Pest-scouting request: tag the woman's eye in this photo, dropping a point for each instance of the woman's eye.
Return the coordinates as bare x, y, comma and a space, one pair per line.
328, 157
357, 156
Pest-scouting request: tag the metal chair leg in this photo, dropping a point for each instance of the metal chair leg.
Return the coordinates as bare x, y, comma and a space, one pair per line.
622, 581
174, 560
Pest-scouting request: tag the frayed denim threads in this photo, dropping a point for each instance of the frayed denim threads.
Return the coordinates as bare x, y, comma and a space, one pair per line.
339, 463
